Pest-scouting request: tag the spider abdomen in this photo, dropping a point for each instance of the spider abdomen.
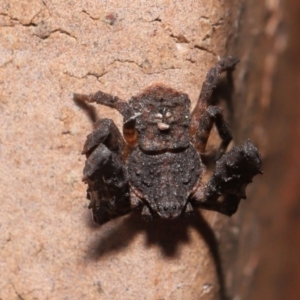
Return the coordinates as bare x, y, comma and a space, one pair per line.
165, 179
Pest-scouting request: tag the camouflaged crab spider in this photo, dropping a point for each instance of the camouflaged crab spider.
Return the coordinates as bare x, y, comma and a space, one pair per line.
156, 168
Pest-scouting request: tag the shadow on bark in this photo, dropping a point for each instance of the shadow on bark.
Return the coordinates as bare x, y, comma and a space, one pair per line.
168, 235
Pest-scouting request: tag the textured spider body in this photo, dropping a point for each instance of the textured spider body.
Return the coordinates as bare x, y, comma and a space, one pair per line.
158, 169
165, 168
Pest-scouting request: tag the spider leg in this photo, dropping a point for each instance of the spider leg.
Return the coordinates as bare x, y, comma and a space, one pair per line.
212, 115
108, 100
233, 172
108, 188
205, 115
208, 87
105, 132
120, 105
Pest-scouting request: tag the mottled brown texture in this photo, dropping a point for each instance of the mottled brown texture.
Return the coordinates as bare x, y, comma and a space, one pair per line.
164, 170
49, 49
231, 176
154, 105
265, 263
165, 181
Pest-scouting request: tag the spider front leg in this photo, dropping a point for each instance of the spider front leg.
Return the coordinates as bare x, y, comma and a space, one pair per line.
212, 115
108, 188
205, 115
234, 170
120, 105
208, 86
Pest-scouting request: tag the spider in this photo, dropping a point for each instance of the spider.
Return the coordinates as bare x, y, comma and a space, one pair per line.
158, 170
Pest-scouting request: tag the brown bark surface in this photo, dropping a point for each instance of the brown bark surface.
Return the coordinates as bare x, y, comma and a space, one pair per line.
49, 49
267, 109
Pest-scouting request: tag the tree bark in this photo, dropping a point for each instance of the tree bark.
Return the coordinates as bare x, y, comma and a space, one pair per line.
267, 108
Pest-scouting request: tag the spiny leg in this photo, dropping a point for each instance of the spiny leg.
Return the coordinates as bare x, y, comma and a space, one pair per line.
208, 87
108, 100
120, 105
204, 115
108, 188
233, 172
105, 132
212, 115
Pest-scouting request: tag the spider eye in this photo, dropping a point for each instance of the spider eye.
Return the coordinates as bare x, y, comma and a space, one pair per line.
158, 116
168, 115
163, 126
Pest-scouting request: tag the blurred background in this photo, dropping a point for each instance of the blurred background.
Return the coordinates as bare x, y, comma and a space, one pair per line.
267, 104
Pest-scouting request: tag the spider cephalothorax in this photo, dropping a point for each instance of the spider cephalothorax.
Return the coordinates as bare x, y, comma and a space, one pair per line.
158, 168
163, 119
